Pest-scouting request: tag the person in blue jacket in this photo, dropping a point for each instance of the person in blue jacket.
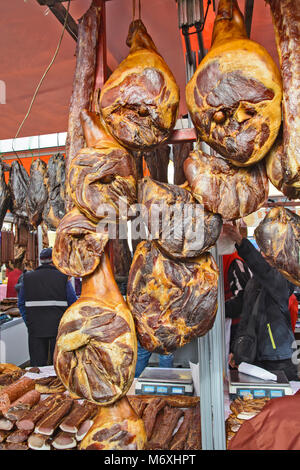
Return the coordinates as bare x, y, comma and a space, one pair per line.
44, 295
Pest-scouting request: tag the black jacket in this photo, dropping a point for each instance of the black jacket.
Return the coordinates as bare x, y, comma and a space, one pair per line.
274, 328
45, 300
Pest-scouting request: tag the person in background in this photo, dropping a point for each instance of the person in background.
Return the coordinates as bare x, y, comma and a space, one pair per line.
274, 329
236, 275
143, 356
12, 279
27, 267
293, 308
44, 295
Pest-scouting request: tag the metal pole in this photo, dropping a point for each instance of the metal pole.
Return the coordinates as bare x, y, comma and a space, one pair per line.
211, 351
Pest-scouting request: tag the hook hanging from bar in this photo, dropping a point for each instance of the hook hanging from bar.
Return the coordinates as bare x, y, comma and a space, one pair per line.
191, 13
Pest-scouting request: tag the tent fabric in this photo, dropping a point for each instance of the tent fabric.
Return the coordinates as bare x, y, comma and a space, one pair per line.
29, 37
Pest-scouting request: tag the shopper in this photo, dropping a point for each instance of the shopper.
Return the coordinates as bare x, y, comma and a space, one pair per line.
44, 295
12, 279
143, 356
274, 329
236, 275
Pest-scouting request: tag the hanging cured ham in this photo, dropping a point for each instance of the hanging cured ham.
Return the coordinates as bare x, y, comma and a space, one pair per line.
171, 301
179, 225
278, 237
18, 185
139, 102
96, 347
223, 188
116, 427
285, 15
37, 192
78, 245
275, 166
55, 181
102, 175
234, 97
5, 198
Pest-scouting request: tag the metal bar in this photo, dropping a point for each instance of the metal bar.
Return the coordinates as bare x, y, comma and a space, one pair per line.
211, 351
217, 371
60, 12
248, 15
205, 392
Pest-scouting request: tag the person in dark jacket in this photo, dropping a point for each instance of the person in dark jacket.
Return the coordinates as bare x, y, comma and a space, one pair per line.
274, 329
236, 276
44, 295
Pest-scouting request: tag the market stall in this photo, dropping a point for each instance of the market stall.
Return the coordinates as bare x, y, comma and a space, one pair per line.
123, 132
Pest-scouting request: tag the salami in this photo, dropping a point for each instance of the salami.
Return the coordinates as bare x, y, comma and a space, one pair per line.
14, 391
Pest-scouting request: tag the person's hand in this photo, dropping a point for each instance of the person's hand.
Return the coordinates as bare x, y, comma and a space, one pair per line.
231, 361
232, 232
